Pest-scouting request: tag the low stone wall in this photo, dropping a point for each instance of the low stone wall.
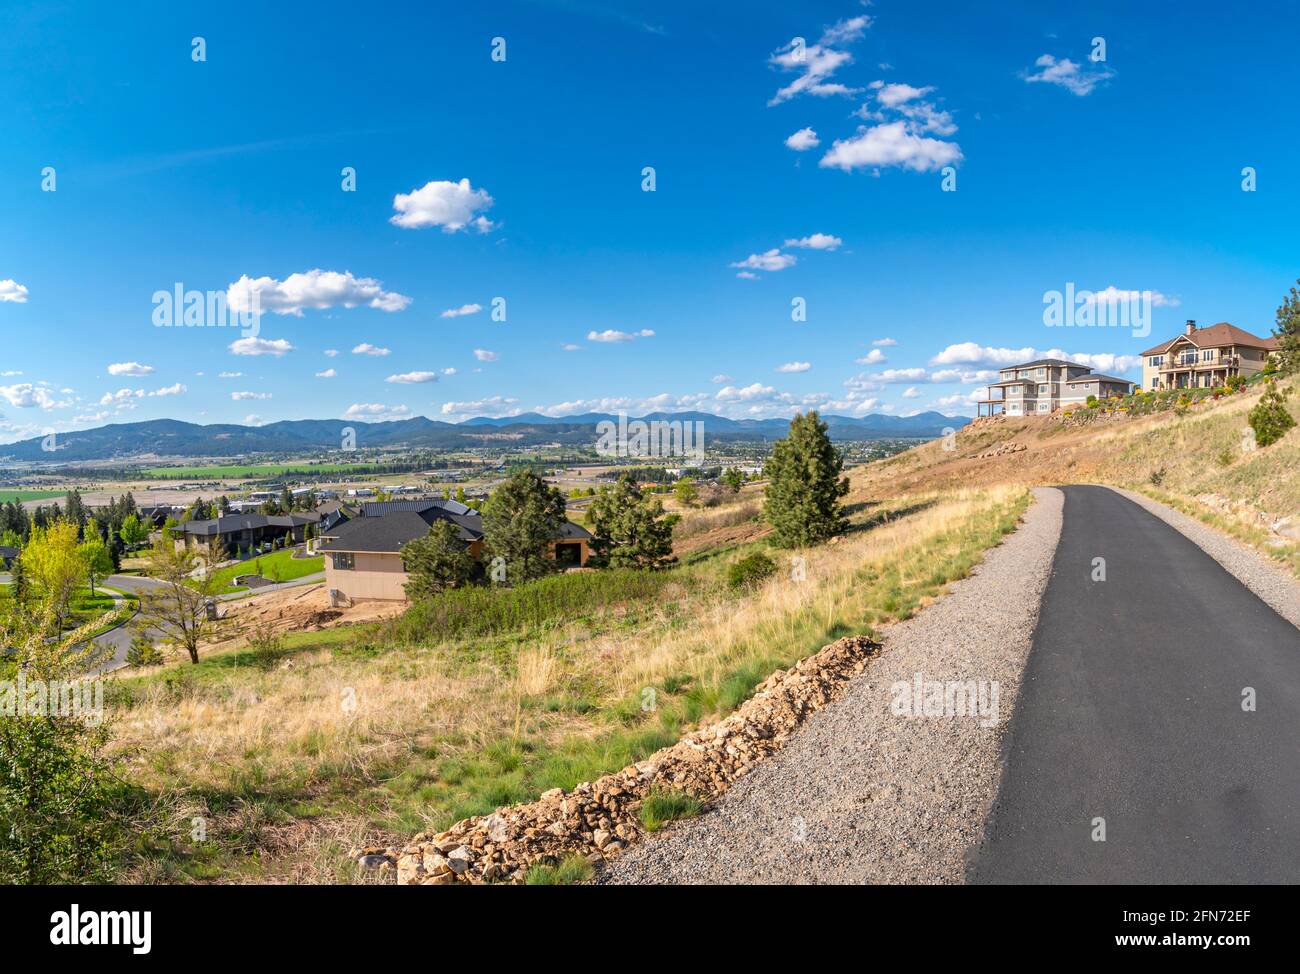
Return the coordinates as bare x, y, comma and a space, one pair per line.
599, 819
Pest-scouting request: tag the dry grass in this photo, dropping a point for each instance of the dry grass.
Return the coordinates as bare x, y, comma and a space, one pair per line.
406, 738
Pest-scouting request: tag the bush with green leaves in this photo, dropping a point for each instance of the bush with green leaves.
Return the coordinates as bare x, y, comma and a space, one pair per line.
802, 501
143, 652
1269, 418
750, 571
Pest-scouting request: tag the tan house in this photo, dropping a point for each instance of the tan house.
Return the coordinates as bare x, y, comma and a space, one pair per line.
1205, 357
1045, 385
363, 557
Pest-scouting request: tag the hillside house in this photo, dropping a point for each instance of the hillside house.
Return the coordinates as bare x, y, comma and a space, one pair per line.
1205, 357
1043, 386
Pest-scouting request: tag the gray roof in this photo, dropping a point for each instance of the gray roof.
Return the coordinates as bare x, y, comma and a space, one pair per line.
1096, 377
247, 522
388, 525
7, 552
1042, 361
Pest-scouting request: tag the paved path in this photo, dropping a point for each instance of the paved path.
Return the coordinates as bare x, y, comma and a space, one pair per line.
1131, 712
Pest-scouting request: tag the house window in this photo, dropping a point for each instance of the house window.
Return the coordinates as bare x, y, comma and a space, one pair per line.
1043, 390
344, 561
1042, 407
1042, 372
1156, 361
1207, 355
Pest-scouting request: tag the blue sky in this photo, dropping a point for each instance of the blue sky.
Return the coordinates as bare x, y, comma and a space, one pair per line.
1123, 174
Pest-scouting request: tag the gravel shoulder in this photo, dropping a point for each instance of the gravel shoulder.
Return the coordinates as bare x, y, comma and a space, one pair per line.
1276, 587
862, 794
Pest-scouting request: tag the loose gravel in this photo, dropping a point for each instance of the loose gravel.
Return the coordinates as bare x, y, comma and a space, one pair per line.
862, 794
1274, 585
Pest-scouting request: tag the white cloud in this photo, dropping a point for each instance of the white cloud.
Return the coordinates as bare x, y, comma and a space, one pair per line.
260, 346
245, 396
818, 241
26, 395
130, 368
413, 378
450, 370
873, 357
483, 355
331, 352
614, 335
464, 309
123, 398
1113, 295
570, 347
884, 342
490, 406
1076, 78
846, 31
10, 372
365, 348
12, 291
748, 276
971, 353
794, 367
314, 289
890, 144
749, 393
376, 412
252, 419
911, 392
230, 375
893, 95
720, 379
803, 140
441, 203
770, 260
327, 374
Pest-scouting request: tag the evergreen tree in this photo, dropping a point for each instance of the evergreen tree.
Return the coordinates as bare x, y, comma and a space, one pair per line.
1287, 333
438, 561
802, 501
629, 528
521, 522
1270, 419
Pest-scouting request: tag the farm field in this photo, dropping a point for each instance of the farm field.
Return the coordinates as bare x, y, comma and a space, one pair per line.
22, 496
259, 470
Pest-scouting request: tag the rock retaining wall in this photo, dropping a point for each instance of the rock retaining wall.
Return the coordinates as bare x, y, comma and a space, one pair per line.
599, 819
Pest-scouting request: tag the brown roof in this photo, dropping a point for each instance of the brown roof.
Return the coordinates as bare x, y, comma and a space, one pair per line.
1216, 336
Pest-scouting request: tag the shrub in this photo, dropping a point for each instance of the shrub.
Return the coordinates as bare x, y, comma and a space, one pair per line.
573, 869
750, 571
1157, 477
266, 646
142, 652
1269, 418
662, 807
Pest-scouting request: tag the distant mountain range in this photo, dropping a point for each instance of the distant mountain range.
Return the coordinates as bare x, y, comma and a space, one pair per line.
161, 438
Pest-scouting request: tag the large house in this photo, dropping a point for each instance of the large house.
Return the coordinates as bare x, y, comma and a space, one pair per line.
243, 535
1205, 357
1045, 385
363, 557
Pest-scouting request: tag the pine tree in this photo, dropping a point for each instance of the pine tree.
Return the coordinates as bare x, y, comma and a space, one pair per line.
1269, 418
521, 522
1287, 333
438, 561
629, 528
802, 501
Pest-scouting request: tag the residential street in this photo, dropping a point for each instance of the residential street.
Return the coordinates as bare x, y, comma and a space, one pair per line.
1131, 711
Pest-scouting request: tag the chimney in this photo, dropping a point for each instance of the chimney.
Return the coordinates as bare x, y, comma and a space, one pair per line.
1191, 325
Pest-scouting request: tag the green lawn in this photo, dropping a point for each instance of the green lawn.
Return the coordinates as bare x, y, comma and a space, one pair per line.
279, 566
256, 471
19, 496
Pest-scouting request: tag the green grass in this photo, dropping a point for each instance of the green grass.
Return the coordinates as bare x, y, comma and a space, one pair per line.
258, 471
573, 869
279, 566
662, 807
19, 496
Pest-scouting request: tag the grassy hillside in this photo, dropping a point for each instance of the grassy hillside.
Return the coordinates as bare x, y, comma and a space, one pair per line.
1199, 461
493, 696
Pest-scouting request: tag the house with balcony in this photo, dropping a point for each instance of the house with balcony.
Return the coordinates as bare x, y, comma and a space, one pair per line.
1043, 386
1205, 357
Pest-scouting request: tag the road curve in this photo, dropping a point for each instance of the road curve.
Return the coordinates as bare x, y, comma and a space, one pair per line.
1131, 711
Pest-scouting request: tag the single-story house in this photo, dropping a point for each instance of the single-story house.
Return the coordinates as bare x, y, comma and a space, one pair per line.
243, 534
334, 513
157, 514
363, 557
